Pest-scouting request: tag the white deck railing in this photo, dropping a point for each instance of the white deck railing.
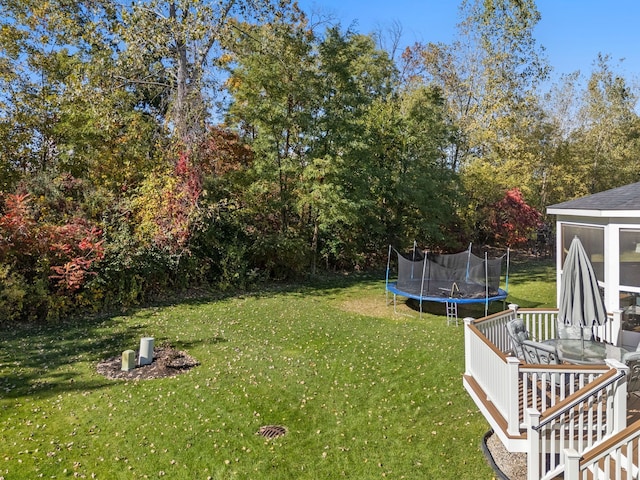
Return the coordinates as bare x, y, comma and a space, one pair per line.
559, 409
614, 459
510, 385
540, 323
492, 370
581, 421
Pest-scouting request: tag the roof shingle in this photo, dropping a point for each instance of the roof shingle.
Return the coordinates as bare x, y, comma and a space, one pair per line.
621, 198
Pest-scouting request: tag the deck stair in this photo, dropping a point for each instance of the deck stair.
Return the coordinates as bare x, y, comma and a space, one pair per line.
615, 458
577, 423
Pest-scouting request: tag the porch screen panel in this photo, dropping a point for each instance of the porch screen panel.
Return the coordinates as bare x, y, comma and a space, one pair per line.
630, 257
592, 239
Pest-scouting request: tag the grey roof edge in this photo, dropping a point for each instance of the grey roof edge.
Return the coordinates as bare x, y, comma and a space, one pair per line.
625, 198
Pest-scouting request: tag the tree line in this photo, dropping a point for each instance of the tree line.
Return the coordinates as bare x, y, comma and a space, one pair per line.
169, 144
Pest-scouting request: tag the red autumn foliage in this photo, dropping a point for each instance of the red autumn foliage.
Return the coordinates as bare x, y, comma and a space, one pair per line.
17, 225
220, 153
77, 246
223, 152
174, 220
512, 220
69, 250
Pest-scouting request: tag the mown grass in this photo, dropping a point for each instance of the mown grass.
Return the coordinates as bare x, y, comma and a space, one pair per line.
364, 393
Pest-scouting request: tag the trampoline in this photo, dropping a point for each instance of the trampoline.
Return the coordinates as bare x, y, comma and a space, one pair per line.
452, 279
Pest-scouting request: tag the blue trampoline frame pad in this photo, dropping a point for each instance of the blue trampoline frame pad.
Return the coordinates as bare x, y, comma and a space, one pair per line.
392, 287
451, 302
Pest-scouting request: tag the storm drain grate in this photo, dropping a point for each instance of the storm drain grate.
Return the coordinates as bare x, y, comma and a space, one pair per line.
271, 431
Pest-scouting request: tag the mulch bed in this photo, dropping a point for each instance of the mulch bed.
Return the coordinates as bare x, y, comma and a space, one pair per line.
167, 362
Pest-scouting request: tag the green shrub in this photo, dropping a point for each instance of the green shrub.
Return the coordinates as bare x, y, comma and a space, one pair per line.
280, 256
13, 291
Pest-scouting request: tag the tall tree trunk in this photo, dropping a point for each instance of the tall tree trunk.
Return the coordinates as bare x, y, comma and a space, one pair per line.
181, 100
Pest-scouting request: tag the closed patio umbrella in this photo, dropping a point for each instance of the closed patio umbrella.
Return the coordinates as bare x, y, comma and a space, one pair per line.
580, 301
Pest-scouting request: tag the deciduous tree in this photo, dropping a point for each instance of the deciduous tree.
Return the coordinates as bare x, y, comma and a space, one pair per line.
173, 48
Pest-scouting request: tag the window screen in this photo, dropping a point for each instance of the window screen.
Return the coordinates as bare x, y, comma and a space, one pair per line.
592, 239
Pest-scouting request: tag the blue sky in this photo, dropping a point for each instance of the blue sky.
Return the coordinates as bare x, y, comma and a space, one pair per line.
572, 32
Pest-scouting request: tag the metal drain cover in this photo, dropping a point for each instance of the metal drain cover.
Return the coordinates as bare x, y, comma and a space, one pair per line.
271, 431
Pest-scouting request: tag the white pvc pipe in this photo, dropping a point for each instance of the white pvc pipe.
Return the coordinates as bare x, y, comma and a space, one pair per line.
146, 351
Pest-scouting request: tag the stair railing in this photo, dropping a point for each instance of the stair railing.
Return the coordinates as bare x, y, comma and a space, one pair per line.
577, 423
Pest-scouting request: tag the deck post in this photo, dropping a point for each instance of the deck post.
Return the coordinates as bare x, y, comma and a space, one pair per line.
613, 332
533, 441
467, 345
571, 464
618, 401
512, 385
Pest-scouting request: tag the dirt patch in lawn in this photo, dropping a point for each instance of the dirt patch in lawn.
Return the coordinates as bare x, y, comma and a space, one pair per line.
167, 362
376, 306
372, 306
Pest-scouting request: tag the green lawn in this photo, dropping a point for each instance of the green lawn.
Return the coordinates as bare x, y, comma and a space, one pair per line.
364, 393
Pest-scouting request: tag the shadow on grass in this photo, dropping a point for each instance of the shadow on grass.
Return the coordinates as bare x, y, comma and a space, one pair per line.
536, 269
48, 360
45, 359
525, 303
327, 284
473, 310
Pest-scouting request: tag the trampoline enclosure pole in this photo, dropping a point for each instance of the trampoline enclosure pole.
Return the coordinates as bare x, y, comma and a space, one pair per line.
413, 259
426, 259
506, 282
468, 262
424, 266
486, 285
386, 280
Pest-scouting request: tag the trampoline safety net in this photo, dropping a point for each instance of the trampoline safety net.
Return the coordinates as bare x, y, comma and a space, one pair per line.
457, 275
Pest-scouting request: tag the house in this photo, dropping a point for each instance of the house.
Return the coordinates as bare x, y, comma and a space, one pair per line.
608, 225
572, 420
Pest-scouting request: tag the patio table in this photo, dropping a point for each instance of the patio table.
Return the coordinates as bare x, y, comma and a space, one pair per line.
572, 351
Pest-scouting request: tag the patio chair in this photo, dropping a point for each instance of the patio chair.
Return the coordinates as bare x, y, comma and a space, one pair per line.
540, 353
632, 360
537, 353
518, 333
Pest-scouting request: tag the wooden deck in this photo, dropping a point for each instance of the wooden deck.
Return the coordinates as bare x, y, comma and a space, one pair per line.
575, 411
